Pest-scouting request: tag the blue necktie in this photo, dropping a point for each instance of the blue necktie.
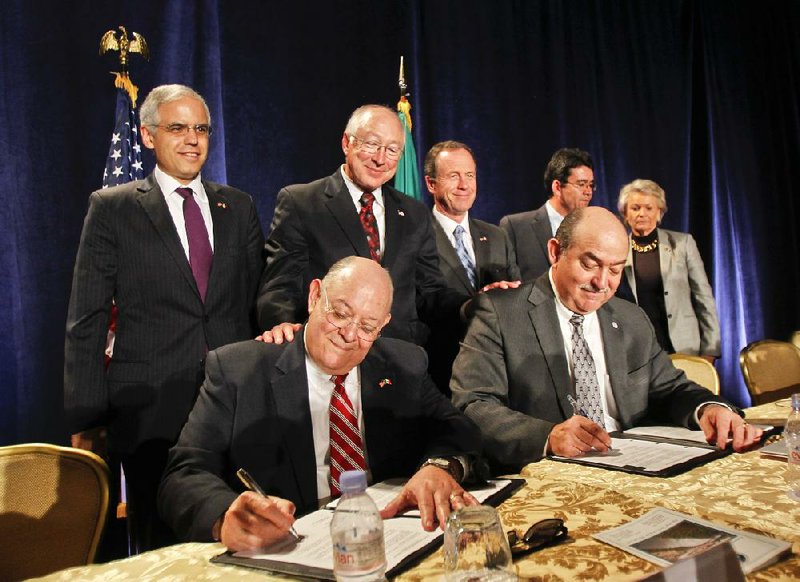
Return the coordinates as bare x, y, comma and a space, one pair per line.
463, 255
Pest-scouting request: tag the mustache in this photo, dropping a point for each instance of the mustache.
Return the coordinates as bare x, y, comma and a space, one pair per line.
593, 289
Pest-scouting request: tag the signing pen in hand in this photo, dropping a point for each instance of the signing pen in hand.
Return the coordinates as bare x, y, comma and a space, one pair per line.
251, 484
577, 411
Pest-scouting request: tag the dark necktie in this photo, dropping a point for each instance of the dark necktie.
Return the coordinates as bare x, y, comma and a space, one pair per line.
346, 448
200, 253
370, 226
585, 374
463, 254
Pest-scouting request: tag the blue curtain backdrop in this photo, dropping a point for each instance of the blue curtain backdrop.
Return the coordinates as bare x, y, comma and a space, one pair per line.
701, 96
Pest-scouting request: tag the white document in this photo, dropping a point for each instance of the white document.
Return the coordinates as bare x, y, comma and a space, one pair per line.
402, 536
643, 455
662, 536
669, 432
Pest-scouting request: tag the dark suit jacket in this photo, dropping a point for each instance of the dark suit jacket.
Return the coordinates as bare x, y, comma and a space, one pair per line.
494, 261
529, 233
512, 377
316, 224
130, 252
253, 412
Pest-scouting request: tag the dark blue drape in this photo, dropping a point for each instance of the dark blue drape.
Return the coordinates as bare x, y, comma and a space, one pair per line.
701, 96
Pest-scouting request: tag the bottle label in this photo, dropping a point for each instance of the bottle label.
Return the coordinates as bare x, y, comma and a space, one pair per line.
363, 556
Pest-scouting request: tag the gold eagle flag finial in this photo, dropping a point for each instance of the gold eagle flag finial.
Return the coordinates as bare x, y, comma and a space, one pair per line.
111, 41
403, 106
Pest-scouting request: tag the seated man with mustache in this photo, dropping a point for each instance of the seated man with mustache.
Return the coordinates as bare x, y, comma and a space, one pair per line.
557, 364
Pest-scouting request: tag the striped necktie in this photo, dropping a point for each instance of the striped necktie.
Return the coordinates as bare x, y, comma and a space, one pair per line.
346, 448
463, 255
586, 387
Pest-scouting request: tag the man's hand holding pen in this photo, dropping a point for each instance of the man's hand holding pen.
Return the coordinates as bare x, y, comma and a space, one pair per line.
254, 520
577, 435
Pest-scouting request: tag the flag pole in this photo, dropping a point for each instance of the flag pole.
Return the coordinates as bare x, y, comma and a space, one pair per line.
407, 177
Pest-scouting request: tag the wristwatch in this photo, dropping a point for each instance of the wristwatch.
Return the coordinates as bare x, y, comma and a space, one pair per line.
449, 464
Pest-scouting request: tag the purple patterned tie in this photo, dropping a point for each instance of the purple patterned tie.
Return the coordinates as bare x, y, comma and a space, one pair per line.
200, 253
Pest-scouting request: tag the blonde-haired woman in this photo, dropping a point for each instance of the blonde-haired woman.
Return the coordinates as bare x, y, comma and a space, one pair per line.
667, 276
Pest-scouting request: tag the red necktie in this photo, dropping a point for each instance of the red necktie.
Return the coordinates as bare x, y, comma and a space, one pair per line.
200, 253
347, 452
370, 226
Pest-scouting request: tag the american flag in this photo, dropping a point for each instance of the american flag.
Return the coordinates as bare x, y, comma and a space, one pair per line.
124, 163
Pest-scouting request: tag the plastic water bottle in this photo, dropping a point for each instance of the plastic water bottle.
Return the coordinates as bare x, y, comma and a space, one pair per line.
357, 532
791, 434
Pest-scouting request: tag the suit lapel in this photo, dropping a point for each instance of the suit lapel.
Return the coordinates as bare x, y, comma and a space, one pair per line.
375, 400
614, 351
630, 276
551, 342
340, 205
290, 391
221, 218
666, 248
482, 247
154, 204
448, 254
395, 224
542, 231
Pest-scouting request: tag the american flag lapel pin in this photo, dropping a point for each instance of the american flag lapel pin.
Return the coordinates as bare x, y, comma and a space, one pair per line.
221, 205
400, 213
483, 239
384, 382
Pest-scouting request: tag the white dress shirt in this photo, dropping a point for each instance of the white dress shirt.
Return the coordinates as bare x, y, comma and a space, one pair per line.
168, 185
449, 225
594, 339
320, 390
555, 218
378, 208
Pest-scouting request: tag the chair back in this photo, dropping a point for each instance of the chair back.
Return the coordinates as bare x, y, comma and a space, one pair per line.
53, 505
698, 370
771, 370
795, 339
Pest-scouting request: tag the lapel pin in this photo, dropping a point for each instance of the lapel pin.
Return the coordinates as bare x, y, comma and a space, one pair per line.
222, 205
385, 382
483, 239
614, 324
401, 213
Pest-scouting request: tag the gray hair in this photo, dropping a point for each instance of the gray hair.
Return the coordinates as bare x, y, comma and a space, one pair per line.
646, 187
360, 117
343, 268
148, 112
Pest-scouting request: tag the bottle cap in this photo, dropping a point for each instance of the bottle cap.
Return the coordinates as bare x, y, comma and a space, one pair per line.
796, 401
353, 481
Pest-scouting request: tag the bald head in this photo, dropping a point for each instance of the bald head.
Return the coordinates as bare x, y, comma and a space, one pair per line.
588, 255
347, 310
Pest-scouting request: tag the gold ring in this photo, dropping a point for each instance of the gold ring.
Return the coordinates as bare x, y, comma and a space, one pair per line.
454, 496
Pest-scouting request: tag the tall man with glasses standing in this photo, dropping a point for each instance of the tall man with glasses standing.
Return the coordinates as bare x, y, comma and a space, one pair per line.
354, 212
181, 258
569, 183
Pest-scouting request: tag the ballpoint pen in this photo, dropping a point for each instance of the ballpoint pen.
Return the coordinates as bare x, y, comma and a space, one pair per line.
251, 484
576, 410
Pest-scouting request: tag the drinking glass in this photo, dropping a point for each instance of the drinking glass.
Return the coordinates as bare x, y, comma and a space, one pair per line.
476, 547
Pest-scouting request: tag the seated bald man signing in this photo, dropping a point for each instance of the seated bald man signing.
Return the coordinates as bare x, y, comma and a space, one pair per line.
557, 364
280, 412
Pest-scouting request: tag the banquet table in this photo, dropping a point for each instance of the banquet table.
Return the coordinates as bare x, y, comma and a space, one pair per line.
743, 491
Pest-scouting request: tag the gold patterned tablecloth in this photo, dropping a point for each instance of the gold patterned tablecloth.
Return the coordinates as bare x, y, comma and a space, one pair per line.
741, 490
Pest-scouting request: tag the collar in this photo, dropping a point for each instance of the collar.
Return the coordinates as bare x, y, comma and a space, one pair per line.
356, 192
448, 224
168, 184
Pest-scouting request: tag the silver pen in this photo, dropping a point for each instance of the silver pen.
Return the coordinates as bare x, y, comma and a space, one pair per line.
251, 484
576, 410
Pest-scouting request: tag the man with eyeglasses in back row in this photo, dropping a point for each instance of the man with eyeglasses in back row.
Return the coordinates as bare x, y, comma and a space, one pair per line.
569, 182
355, 212
181, 258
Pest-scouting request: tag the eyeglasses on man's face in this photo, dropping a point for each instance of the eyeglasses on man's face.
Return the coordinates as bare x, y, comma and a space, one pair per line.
541, 534
583, 185
372, 147
364, 331
181, 129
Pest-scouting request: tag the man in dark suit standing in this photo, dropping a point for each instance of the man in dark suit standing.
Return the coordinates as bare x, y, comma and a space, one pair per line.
472, 253
276, 410
569, 183
354, 212
557, 364
180, 258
